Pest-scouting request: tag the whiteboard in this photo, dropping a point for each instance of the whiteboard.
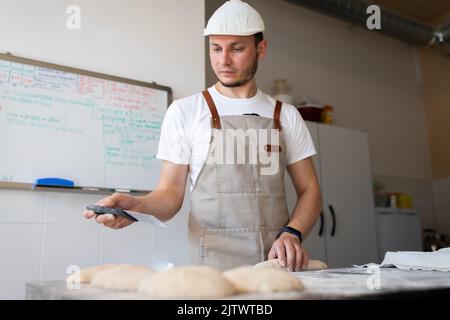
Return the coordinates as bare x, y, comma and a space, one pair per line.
94, 129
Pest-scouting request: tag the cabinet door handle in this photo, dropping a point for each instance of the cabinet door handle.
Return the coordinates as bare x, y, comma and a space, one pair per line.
333, 216
321, 224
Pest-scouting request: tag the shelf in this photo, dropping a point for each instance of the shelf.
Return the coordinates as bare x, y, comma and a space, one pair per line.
385, 210
86, 190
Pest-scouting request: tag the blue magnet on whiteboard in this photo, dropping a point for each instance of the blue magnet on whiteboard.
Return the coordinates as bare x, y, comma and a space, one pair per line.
53, 182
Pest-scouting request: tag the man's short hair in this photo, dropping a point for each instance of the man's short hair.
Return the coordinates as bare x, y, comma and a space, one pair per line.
258, 38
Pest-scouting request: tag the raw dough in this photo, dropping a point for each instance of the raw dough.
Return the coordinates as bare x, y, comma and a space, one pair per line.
121, 277
248, 279
316, 265
187, 282
86, 274
273, 263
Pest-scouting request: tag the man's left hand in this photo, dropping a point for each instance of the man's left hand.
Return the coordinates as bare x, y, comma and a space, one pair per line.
289, 252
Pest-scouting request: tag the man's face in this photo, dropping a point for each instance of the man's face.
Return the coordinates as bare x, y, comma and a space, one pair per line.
234, 59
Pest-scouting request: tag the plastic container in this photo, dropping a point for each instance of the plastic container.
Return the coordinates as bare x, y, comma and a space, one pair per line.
327, 115
311, 113
393, 200
400, 200
404, 201
381, 195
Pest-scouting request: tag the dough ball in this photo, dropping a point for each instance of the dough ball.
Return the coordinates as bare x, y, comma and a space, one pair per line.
85, 275
249, 279
121, 277
187, 282
316, 265
274, 264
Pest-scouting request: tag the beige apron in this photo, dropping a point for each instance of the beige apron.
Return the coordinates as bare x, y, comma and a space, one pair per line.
237, 212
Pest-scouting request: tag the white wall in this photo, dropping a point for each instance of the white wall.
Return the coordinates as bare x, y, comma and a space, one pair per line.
442, 197
436, 75
422, 193
144, 40
372, 81
41, 233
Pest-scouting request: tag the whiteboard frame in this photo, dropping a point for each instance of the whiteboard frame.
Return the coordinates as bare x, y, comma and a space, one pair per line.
152, 85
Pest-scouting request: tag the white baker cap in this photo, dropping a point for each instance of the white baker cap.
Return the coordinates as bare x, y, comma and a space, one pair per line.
234, 17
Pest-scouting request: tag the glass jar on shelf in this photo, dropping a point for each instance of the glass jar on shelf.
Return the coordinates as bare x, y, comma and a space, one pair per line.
281, 90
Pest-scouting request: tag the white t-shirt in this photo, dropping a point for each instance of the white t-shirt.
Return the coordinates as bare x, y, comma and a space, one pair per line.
186, 129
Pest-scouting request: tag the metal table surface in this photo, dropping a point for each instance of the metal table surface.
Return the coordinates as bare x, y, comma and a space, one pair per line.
339, 283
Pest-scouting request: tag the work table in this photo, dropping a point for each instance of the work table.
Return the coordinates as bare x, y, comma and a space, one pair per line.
339, 283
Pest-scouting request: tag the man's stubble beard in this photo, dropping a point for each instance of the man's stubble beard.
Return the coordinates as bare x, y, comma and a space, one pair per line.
249, 75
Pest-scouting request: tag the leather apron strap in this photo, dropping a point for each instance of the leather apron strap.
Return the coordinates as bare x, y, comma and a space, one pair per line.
277, 114
216, 118
212, 108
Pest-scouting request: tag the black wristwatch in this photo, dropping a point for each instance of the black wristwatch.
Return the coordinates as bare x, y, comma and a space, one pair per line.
293, 231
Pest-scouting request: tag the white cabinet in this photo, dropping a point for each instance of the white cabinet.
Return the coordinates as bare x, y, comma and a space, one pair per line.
314, 243
345, 234
398, 230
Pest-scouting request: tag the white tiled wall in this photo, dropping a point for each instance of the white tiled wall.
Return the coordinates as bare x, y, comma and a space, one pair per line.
20, 247
171, 245
430, 197
442, 197
29, 204
64, 245
129, 245
43, 233
421, 191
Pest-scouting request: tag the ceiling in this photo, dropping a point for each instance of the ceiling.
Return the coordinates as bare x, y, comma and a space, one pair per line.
429, 12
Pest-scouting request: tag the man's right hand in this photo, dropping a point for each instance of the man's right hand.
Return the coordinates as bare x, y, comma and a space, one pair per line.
117, 200
163, 202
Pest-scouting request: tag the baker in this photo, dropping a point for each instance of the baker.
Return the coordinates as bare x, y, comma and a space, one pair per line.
234, 142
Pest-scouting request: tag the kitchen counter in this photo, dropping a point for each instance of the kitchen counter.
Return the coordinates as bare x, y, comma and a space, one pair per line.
340, 283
